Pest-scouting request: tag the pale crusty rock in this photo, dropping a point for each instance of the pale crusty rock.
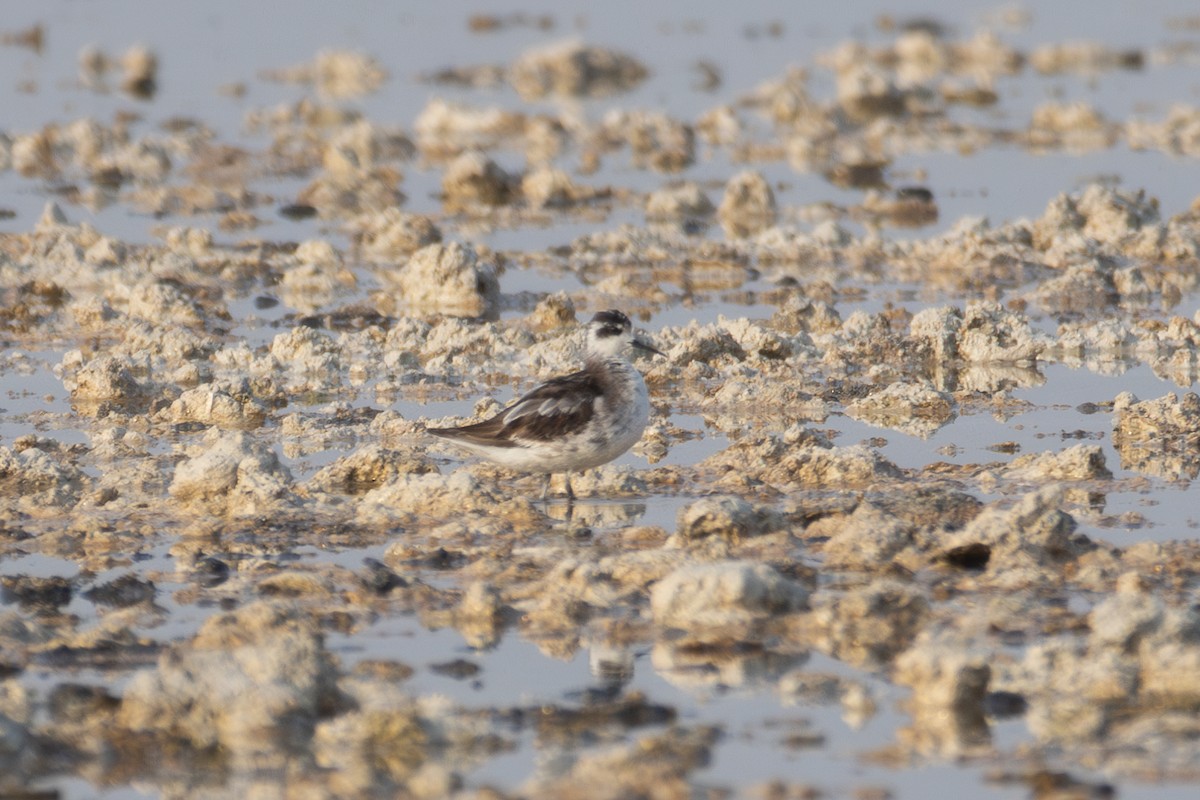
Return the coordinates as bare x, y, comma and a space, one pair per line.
438, 495
350, 152
297, 583
548, 187
761, 343
1164, 418
1034, 535
443, 128
1099, 213
305, 348
213, 405
449, 279
106, 252
40, 478
473, 180
1134, 284
678, 201
708, 344
991, 333
6, 143
1174, 133
159, 302
343, 190
243, 683
367, 468
308, 286
335, 74
229, 471
856, 465
572, 68
139, 68
939, 327
105, 378
553, 311
361, 149
868, 538
391, 234
727, 517
317, 274
720, 125
1105, 337
319, 252
92, 313
911, 408
188, 241
803, 457
609, 480
705, 598
545, 139
140, 161
655, 139
865, 91
32, 156
117, 442
1083, 288
1083, 462
1085, 57
1160, 436
303, 359
1077, 127
748, 205
88, 139
152, 347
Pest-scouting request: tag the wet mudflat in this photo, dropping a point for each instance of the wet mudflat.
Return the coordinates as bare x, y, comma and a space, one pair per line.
914, 511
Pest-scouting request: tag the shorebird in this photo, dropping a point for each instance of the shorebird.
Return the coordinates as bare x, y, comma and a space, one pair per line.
573, 422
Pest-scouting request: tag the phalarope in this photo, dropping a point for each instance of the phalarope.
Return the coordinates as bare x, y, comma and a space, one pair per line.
575, 421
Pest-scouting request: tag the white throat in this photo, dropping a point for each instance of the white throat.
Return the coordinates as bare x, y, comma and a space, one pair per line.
608, 347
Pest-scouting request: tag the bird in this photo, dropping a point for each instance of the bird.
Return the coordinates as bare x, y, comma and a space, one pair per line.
572, 422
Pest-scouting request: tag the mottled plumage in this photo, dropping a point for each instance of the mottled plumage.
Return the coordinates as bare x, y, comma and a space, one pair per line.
573, 422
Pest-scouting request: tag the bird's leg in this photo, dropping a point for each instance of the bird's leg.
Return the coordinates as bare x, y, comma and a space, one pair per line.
570, 497
546, 488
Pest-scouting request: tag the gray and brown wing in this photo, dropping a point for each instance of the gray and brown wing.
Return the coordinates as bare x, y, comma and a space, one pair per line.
553, 410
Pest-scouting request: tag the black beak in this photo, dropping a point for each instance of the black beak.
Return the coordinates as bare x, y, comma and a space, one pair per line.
640, 345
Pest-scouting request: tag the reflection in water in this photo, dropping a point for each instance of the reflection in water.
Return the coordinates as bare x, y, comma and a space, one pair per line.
596, 513
992, 378
611, 664
1158, 437
692, 666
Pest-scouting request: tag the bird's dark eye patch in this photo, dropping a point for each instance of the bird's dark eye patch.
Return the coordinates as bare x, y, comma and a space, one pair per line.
605, 331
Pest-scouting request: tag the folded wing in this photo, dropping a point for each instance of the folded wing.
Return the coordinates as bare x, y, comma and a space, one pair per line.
552, 411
